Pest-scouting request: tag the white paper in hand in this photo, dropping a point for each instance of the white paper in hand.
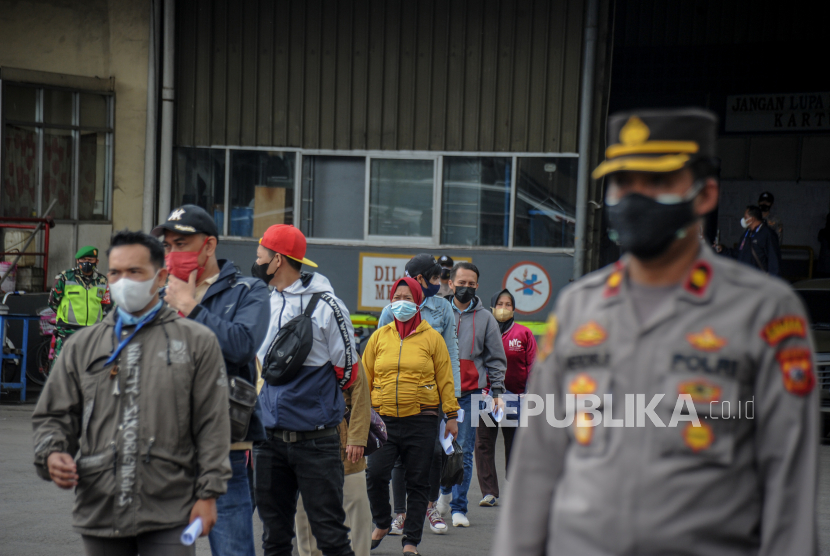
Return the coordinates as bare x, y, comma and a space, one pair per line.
446, 443
192, 532
460, 417
498, 415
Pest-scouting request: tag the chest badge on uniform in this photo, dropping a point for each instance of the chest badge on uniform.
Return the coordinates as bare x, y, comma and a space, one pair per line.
582, 384
706, 340
701, 391
778, 330
584, 430
589, 335
698, 438
797, 370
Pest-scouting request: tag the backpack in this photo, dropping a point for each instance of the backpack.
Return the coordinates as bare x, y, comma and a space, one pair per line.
290, 348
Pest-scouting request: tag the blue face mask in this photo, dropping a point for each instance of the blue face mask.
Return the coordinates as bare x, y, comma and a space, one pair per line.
403, 310
431, 290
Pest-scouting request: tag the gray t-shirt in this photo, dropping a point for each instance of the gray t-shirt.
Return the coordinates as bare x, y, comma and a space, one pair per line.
647, 299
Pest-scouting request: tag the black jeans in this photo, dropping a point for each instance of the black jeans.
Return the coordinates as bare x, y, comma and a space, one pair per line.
413, 439
314, 469
399, 480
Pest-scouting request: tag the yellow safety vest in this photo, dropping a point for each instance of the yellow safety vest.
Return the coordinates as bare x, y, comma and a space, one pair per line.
81, 306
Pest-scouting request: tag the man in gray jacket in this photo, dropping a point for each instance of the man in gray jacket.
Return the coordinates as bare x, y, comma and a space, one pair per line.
703, 435
134, 416
482, 361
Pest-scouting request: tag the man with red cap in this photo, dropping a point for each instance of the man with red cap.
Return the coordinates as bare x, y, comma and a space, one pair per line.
302, 450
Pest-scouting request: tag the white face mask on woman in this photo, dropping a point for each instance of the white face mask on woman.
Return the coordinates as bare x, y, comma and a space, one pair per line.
132, 295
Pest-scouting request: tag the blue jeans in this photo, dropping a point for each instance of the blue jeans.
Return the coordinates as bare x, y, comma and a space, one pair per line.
233, 533
467, 440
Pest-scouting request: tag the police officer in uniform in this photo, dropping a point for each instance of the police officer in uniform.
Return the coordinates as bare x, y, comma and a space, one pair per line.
80, 297
733, 468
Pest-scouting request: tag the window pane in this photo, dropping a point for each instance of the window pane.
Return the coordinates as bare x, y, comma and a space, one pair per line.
57, 171
262, 191
92, 166
400, 198
57, 107
199, 179
333, 196
19, 103
476, 204
545, 202
19, 195
93, 110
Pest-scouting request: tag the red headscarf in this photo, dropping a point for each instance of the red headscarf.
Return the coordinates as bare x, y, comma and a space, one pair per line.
408, 327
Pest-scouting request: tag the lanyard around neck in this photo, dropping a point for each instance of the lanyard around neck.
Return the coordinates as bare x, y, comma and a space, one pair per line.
118, 326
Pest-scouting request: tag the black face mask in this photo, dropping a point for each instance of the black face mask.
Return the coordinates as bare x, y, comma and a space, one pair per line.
464, 294
445, 273
261, 271
645, 227
86, 267
765, 208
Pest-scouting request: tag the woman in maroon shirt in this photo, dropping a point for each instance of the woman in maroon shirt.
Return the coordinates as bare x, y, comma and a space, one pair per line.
520, 348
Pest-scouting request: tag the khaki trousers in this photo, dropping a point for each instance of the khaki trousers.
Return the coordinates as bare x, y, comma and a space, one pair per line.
358, 519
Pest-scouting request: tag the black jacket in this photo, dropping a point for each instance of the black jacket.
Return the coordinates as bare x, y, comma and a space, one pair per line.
237, 310
763, 241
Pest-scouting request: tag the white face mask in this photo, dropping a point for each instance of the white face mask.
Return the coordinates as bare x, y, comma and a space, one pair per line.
744, 223
131, 295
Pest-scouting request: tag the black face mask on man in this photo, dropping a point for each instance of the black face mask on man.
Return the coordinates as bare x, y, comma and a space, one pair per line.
261, 271
646, 227
464, 294
86, 267
765, 207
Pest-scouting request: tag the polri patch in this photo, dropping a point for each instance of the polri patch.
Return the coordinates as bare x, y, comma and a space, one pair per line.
589, 335
778, 330
706, 340
797, 370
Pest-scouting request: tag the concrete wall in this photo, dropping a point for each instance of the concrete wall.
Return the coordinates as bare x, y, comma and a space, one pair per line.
93, 38
340, 264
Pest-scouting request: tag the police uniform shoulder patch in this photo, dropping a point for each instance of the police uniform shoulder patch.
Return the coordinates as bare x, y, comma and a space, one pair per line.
699, 278
589, 334
698, 438
797, 370
706, 340
778, 330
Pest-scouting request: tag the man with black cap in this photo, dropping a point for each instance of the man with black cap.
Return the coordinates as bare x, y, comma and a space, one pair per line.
234, 307
664, 347
446, 263
765, 202
80, 296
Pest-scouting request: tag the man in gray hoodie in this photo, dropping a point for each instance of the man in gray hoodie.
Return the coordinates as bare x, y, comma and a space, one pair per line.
483, 362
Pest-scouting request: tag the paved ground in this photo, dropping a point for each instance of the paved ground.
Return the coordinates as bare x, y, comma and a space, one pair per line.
35, 515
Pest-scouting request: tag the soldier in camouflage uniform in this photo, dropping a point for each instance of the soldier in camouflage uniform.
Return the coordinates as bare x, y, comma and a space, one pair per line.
80, 297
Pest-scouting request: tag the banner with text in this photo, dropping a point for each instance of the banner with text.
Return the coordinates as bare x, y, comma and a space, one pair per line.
778, 112
378, 272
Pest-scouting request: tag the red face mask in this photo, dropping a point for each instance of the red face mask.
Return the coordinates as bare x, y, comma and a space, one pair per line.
181, 263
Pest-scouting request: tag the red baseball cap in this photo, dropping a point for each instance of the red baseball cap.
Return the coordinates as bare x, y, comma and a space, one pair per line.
286, 240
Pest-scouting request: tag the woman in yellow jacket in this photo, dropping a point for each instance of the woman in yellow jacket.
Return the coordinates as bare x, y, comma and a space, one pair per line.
410, 375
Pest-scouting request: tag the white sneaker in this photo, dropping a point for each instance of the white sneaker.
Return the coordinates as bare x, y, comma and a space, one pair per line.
460, 520
436, 522
443, 504
489, 501
397, 525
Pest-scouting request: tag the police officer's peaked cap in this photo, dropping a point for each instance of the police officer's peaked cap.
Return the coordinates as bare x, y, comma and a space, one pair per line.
188, 220
658, 140
88, 251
